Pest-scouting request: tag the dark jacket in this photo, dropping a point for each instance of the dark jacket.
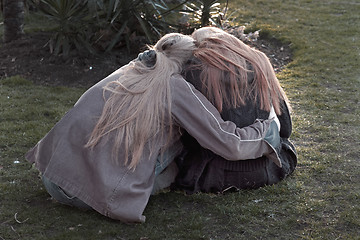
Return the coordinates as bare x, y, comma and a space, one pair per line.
203, 170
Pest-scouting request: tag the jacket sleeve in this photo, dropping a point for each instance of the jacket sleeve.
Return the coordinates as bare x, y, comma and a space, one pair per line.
193, 112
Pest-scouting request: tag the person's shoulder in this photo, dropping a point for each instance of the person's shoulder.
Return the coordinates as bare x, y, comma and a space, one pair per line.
176, 77
177, 80
178, 83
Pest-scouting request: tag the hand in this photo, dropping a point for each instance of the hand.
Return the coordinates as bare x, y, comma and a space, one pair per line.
273, 115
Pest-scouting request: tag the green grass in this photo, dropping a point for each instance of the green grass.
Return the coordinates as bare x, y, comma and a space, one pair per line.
321, 199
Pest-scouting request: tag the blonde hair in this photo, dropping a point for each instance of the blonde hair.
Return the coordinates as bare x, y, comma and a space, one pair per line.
224, 71
139, 105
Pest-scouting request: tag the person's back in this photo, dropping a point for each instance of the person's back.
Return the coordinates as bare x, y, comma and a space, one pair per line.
203, 170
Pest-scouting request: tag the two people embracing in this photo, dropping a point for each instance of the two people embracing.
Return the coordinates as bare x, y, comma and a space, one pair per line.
196, 113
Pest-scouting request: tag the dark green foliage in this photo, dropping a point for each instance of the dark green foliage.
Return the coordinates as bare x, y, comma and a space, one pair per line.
203, 12
70, 27
100, 25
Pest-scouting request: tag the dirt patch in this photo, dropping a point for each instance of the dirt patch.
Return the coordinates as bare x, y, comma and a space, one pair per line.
30, 57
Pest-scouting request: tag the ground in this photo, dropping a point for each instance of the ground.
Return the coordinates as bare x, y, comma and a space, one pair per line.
30, 57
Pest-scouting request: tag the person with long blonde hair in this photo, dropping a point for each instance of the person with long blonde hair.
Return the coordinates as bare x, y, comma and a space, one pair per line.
102, 154
241, 83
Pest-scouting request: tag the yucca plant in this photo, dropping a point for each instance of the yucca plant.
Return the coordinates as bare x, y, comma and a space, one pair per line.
120, 19
71, 29
150, 19
104, 24
203, 12
91, 24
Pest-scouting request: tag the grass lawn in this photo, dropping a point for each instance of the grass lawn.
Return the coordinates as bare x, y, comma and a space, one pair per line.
319, 201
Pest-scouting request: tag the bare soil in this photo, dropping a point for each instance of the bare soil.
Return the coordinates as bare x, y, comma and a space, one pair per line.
30, 57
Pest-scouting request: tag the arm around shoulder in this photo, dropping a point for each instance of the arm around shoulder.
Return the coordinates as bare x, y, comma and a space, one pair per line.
193, 112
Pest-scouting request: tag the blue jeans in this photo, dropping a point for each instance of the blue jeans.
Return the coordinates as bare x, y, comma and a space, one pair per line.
167, 157
61, 196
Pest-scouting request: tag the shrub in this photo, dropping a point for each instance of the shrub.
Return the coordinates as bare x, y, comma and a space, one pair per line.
100, 25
